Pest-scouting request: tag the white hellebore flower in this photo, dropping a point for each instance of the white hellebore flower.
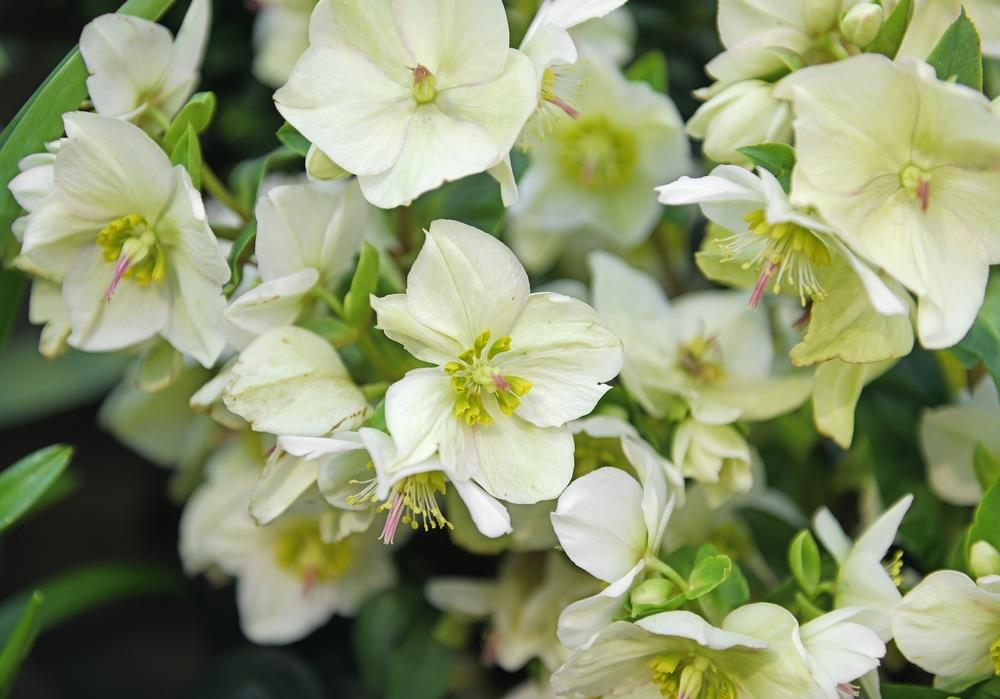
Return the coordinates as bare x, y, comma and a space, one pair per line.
705, 348
838, 651
932, 17
752, 656
949, 435
289, 580
863, 581
138, 71
787, 246
307, 236
511, 367
592, 175
950, 626
909, 192
611, 526
410, 95
280, 37
126, 234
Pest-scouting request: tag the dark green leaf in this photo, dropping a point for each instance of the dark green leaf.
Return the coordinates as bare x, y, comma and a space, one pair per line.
990, 689
986, 523
26, 481
68, 595
421, 668
380, 628
650, 68
259, 673
982, 343
11, 290
987, 465
776, 158
357, 302
959, 54
293, 140
187, 152
902, 691
334, 330
804, 561
707, 575
18, 645
890, 37
733, 593
196, 114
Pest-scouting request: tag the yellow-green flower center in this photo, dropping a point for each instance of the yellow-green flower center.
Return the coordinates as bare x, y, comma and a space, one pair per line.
596, 153
701, 359
682, 675
424, 88
917, 183
791, 254
301, 550
995, 656
477, 380
133, 246
894, 567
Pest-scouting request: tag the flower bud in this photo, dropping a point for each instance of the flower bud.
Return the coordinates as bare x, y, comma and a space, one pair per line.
651, 596
743, 114
862, 23
984, 559
821, 15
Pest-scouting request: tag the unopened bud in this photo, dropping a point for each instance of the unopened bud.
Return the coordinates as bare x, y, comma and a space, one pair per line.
653, 595
821, 15
862, 23
984, 559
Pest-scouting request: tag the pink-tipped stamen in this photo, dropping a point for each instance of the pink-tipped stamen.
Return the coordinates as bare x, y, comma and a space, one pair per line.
500, 382
924, 195
121, 267
392, 521
572, 112
758, 291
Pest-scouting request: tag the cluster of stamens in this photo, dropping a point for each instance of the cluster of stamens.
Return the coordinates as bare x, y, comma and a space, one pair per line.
131, 244
894, 567
597, 154
995, 656
681, 675
701, 359
791, 255
413, 502
476, 380
301, 550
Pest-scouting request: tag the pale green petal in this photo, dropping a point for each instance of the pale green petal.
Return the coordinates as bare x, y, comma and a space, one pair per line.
838, 386
321, 168
617, 660
466, 596
284, 479
949, 436
291, 382
46, 308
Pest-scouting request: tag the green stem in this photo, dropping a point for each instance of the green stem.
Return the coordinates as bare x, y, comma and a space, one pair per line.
218, 190
661, 567
809, 610
373, 355
157, 116
329, 299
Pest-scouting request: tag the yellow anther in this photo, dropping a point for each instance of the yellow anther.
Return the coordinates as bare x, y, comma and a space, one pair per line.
476, 379
995, 656
480, 344
500, 346
130, 242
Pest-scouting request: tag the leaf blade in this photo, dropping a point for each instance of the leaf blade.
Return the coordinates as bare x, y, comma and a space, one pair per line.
22, 484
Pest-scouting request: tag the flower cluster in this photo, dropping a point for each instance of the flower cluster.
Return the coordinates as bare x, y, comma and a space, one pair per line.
337, 367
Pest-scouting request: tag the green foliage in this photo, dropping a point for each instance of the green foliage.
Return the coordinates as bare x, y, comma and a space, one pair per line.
709, 572
986, 523
260, 673
19, 643
982, 343
776, 158
289, 136
987, 466
804, 561
901, 691
22, 484
732, 593
357, 302
187, 153
197, 114
959, 55
650, 68
890, 37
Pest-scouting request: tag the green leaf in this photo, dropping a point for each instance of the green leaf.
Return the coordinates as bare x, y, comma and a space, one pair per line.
187, 152
333, 330
959, 54
905, 691
987, 465
986, 522
357, 302
196, 114
36, 123
421, 668
733, 593
650, 68
707, 575
379, 629
70, 594
982, 343
26, 481
293, 140
261, 673
890, 37
990, 689
776, 158
18, 645
804, 561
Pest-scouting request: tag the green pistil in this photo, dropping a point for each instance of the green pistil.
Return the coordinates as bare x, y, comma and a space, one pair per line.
597, 154
424, 88
476, 380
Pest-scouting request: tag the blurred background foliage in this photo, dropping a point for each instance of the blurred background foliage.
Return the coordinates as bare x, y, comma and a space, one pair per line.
182, 638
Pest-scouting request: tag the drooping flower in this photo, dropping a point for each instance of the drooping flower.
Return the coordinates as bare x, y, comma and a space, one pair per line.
280, 37
610, 525
290, 581
138, 71
125, 233
865, 580
405, 101
704, 349
950, 626
751, 656
307, 236
511, 367
949, 435
909, 192
591, 176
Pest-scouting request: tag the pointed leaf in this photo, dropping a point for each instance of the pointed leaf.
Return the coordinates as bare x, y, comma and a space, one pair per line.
776, 158
650, 68
357, 302
197, 113
26, 481
959, 54
804, 561
17, 647
890, 37
987, 465
187, 153
707, 575
293, 140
